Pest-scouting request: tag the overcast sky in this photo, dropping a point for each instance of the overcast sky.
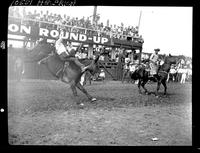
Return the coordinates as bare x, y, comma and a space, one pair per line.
167, 28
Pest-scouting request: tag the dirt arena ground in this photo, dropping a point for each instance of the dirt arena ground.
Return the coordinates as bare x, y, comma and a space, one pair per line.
42, 112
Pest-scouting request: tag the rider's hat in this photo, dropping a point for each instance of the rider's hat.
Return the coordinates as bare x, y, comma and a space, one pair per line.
157, 49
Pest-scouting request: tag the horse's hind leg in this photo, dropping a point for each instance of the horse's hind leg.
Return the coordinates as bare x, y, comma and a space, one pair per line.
73, 87
139, 84
74, 91
165, 86
79, 86
158, 87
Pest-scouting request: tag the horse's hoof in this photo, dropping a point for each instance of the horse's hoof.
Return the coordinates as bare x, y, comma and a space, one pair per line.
93, 99
165, 95
81, 104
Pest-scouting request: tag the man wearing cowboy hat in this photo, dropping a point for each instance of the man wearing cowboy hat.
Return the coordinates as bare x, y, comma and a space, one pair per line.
65, 51
154, 58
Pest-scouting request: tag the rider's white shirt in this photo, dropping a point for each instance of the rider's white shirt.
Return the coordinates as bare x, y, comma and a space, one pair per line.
60, 48
154, 57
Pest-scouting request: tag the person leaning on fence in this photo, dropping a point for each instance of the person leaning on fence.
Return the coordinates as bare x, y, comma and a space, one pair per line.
153, 62
19, 68
126, 68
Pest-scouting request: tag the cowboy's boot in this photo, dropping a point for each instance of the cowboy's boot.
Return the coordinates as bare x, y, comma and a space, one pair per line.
82, 66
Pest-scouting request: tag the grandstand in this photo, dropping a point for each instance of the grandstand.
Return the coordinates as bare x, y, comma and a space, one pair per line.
30, 27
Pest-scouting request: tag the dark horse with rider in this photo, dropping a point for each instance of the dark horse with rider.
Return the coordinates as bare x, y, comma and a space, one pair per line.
157, 72
61, 62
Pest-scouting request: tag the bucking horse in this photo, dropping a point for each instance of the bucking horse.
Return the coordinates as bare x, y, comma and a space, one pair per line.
72, 72
143, 75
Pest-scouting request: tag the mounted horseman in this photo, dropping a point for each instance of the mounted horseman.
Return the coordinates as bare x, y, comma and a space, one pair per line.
158, 73
65, 51
55, 58
154, 63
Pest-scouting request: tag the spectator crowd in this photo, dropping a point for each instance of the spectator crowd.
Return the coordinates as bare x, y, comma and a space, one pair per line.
180, 72
83, 25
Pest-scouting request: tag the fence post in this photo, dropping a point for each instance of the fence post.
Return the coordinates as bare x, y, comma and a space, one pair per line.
90, 51
140, 55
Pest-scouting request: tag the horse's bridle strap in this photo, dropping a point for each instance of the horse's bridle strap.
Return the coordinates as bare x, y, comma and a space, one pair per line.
163, 71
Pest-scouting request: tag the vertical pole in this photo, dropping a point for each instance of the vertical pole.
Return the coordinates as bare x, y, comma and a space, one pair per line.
108, 23
94, 15
112, 53
139, 20
90, 51
140, 55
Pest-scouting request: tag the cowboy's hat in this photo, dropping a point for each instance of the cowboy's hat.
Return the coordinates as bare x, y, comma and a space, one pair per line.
157, 49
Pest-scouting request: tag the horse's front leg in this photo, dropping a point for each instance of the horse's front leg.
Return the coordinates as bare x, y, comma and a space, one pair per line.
139, 84
165, 86
123, 76
143, 86
158, 87
74, 91
81, 88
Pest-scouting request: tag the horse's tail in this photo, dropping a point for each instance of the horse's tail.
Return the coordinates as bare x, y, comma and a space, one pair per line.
37, 53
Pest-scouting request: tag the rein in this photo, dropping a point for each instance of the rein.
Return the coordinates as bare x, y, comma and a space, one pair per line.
163, 71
